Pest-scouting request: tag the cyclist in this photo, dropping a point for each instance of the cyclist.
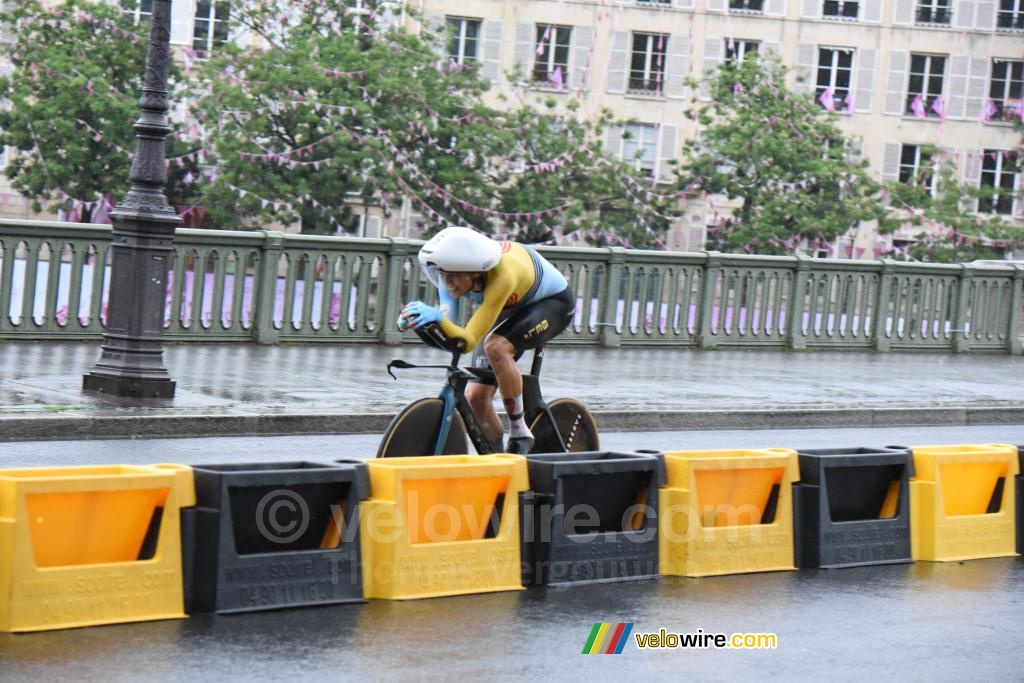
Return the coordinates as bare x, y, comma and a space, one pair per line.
523, 303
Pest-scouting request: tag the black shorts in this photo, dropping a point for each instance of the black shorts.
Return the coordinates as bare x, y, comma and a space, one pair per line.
531, 326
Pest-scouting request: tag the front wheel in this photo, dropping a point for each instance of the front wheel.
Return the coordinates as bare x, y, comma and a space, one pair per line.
576, 429
414, 431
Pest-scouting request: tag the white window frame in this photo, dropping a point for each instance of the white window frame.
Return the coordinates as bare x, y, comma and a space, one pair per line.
998, 172
841, 7
547, 60
210, 40
635, 136
134, 9
460, 38
652, 72
747, 6
909, 173
834, 69
933, 7
740, 49
927, 76
1005, 104
1015, 14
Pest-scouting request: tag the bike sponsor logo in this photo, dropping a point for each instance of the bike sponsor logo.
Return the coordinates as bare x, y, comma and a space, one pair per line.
536, 329
572, 431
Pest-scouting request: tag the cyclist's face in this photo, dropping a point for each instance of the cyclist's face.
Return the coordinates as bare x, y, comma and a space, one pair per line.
457, 284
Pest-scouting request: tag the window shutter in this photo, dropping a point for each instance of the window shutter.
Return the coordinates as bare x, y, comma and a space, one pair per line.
977, 83
683, 4
525, 51
714, 55
964, 14
985, 15
863, 98
492, 49
872, 11
614, 141
891, 162
667, 152
896, 83
617, 62
716, 5
805, 58
582, 47
432, 23
1018, 195
371, 226
972, 176
181, 23
810, 9
958, 69
903, 12
677, 66
945, 159
775, 8
769, 48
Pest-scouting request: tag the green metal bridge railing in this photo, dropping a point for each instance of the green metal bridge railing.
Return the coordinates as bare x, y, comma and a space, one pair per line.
271, 287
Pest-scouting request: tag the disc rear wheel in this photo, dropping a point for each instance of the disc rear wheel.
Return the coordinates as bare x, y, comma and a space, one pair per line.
576, 429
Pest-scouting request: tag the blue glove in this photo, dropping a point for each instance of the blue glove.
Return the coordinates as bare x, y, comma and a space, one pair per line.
417, 314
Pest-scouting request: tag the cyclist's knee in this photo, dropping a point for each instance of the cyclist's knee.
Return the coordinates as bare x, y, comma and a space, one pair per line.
498, 349
480, 397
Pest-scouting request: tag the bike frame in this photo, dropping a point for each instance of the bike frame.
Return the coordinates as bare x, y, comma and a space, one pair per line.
453, 395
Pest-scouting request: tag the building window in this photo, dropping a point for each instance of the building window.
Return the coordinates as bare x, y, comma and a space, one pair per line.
916, 166
841, 9
1011, 15
463, 40
997, 175
755, 6
639, 147
736, 50
211, 25
552, 52
655, 2
141, 11
647, 67
933, 12
1007, 88
926, 74
834, 68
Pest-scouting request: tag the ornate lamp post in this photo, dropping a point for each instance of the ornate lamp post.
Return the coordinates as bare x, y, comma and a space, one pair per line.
131, 364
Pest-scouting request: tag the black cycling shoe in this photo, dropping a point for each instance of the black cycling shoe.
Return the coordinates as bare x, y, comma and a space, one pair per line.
519, 445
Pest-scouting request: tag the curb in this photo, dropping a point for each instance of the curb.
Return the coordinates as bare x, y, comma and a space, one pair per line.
49, 427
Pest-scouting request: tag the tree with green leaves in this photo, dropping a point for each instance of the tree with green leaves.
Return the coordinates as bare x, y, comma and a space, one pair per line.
339, 106
71, 101
780, 159
952, 230
336, 108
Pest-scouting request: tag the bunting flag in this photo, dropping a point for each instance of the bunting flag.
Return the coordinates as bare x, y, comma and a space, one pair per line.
556, 78
938, 108
848, 100
917, 106
990, 110
827, 99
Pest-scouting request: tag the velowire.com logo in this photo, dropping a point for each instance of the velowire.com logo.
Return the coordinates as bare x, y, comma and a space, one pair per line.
607, 638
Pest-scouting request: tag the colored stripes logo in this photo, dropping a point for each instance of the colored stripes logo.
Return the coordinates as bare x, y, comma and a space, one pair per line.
607, 638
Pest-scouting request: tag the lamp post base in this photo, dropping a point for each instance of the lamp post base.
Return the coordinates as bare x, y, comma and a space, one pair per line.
128, 387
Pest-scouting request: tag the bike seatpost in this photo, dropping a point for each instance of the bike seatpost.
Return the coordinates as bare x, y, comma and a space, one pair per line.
538, 358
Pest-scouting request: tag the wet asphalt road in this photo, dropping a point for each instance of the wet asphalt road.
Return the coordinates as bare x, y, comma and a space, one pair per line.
925, 621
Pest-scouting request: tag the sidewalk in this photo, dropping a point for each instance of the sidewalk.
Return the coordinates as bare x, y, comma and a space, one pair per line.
244, 389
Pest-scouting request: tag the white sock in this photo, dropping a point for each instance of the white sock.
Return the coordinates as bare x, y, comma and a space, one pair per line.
514, 409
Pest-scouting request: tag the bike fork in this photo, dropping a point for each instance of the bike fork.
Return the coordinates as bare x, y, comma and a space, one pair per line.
448, 396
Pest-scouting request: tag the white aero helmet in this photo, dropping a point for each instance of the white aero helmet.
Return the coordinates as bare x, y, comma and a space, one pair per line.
458, 250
